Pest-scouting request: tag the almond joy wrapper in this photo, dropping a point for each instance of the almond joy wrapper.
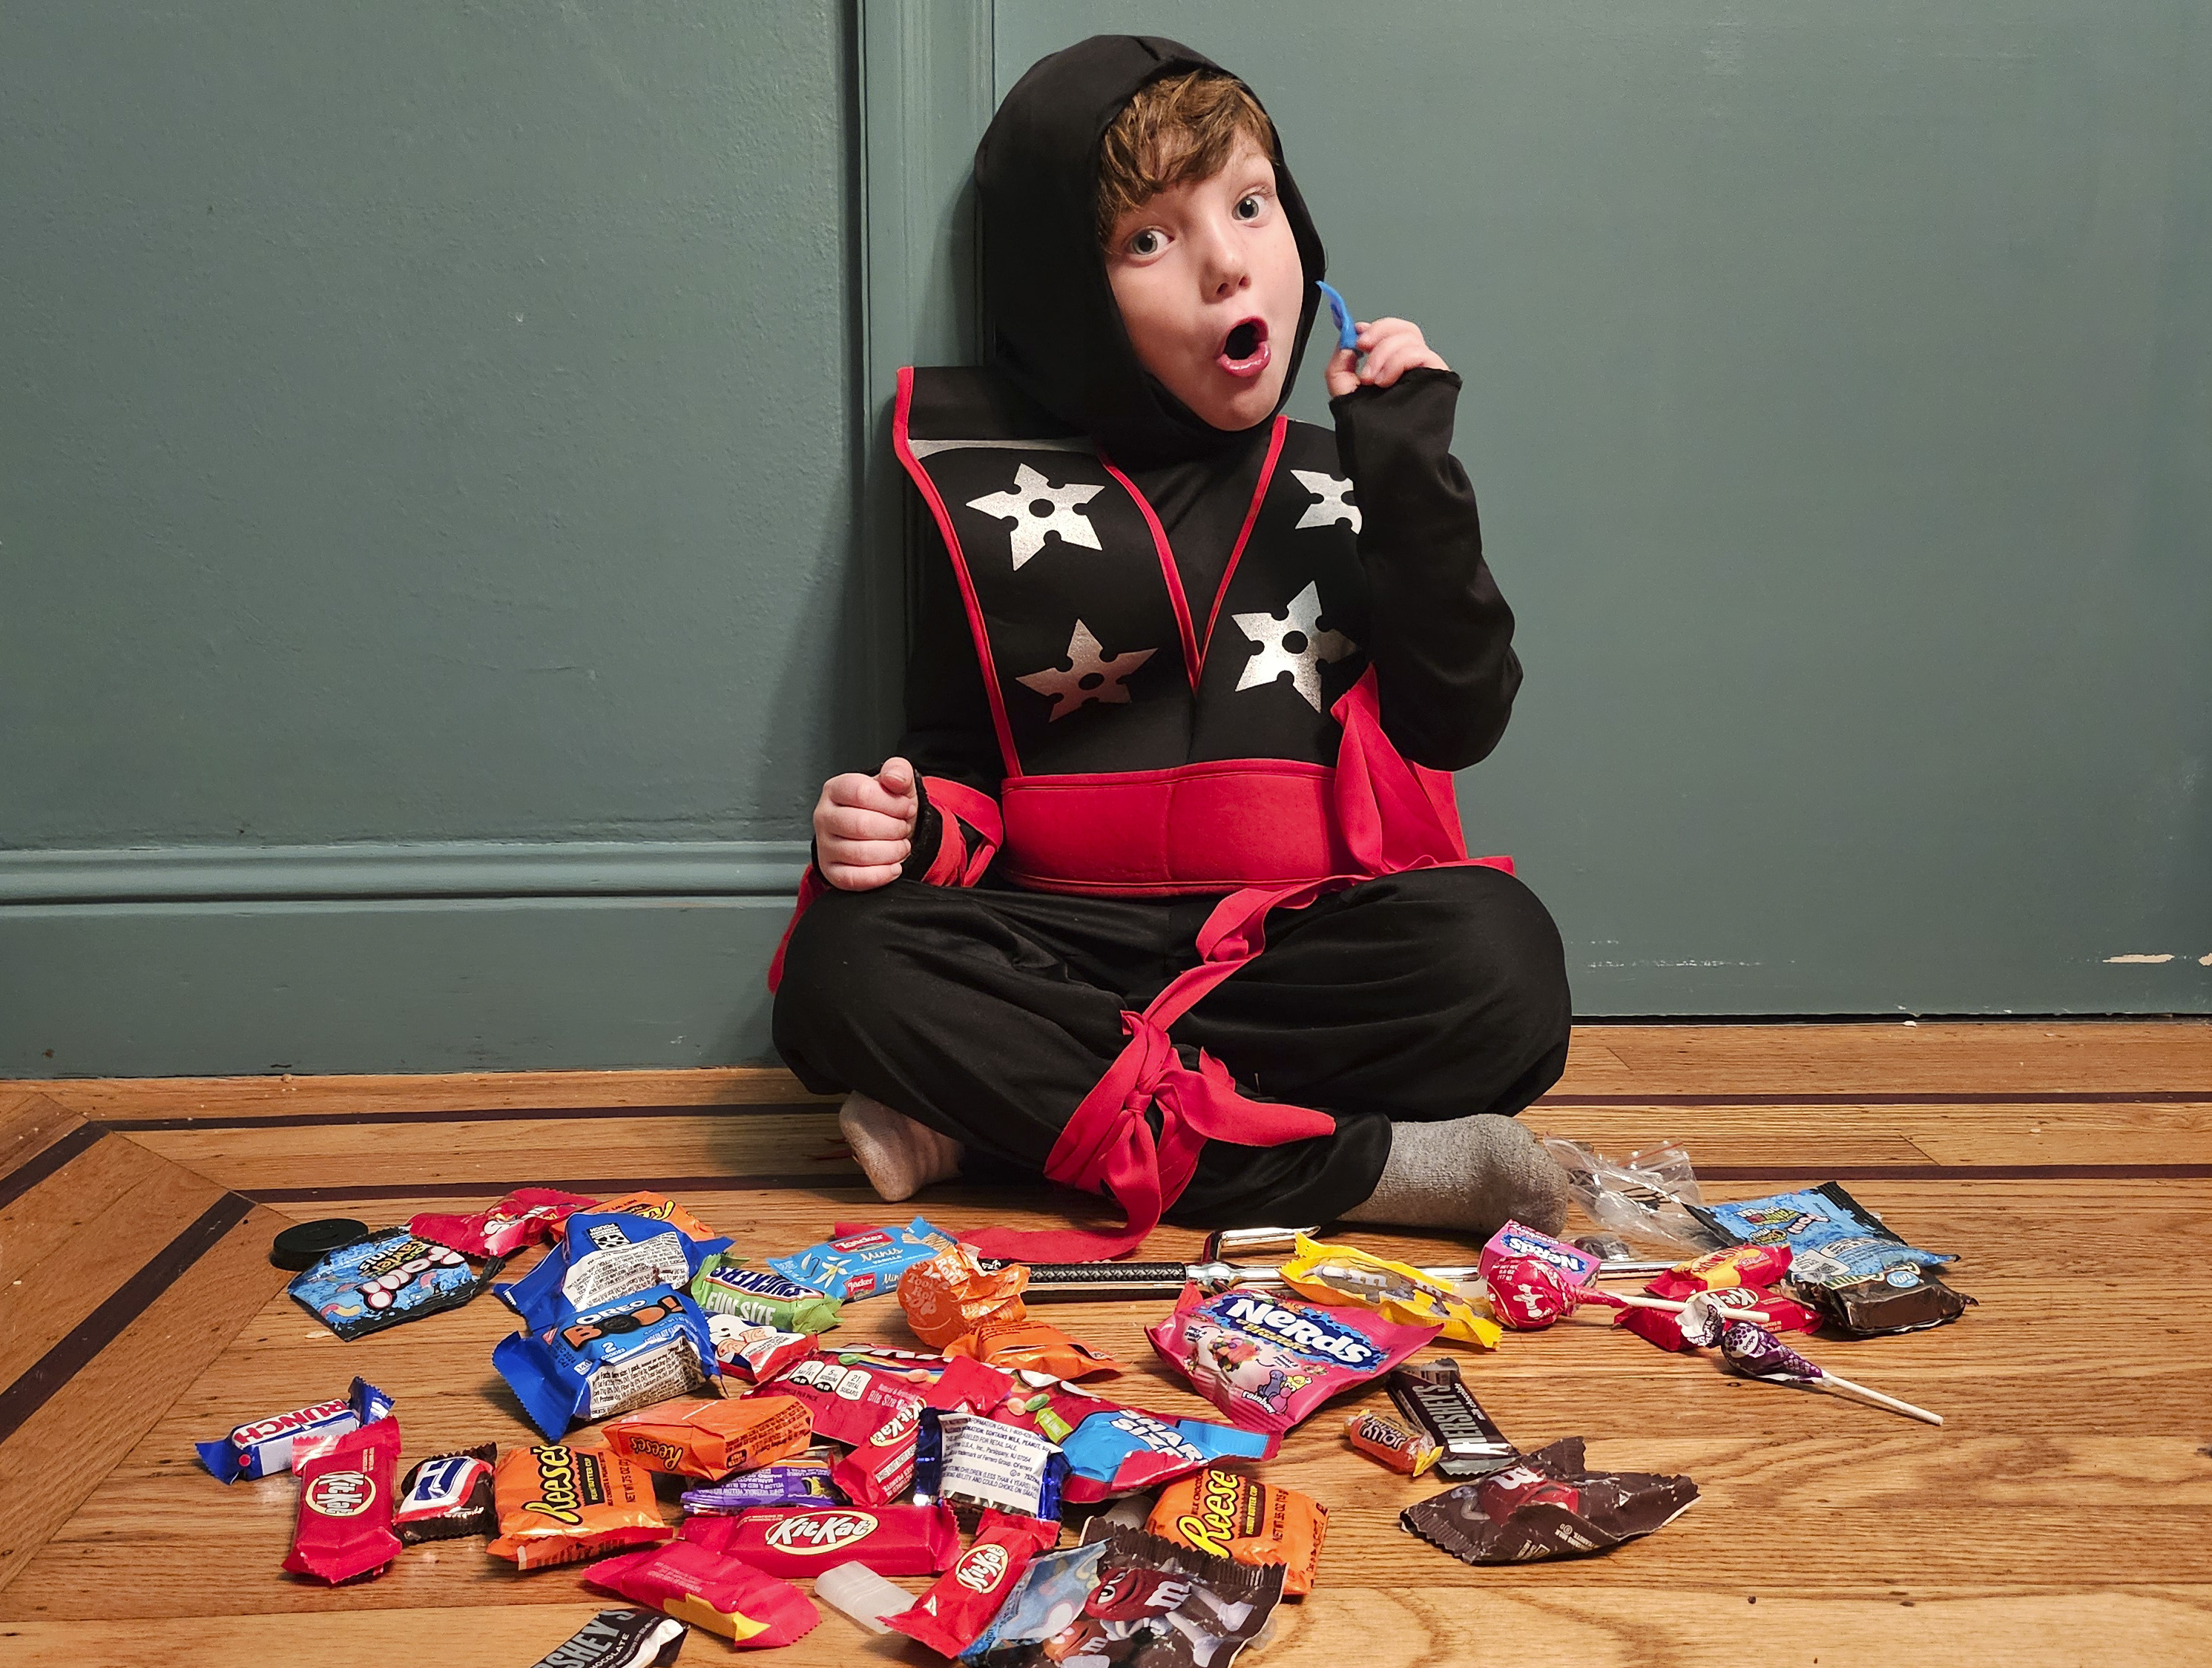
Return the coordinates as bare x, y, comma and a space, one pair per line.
1547, 1506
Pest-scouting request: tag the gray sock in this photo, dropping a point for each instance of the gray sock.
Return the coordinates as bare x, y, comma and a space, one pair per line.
1472, 1174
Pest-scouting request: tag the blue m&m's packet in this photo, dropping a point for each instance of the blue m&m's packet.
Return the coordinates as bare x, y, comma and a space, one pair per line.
863, 1262
387, 1278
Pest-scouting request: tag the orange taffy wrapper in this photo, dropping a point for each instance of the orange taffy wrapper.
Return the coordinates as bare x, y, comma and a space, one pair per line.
708, 1437
559, 1504
951, 1295
662, 1208
1233, 1516
1022, 1345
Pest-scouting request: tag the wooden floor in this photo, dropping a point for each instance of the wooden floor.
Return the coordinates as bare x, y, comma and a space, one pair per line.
2062, 1515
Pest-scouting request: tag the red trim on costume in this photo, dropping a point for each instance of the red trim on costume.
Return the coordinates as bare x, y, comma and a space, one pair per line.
1166, 554
901, 411
812, 886
960, 862
1244, 533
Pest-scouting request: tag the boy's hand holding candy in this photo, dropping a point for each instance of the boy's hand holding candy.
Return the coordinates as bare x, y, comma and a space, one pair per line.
1392, 346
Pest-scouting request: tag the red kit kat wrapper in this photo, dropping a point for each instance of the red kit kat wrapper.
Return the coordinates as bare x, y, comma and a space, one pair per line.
892, 1540
951, 1614
345, 1528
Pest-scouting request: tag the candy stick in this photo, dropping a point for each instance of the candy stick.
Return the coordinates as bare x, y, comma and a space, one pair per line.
1758, 1354
1666, 1303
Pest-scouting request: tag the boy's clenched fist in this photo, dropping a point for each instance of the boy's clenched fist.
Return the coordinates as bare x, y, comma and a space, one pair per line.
864, 825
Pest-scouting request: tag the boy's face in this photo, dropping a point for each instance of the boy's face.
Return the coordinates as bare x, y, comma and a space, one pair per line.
1210, 286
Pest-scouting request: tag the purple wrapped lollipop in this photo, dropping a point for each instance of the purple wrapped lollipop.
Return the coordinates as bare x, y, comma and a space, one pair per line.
1758, 1354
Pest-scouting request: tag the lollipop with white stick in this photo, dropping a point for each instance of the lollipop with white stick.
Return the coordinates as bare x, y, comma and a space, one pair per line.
1758, 1354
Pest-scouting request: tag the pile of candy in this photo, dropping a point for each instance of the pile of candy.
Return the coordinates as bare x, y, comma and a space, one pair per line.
732, 1448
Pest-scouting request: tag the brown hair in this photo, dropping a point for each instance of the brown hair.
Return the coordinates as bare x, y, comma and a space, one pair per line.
1177, 130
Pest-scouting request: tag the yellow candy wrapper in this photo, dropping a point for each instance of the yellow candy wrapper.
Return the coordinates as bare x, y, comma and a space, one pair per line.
1346, 1274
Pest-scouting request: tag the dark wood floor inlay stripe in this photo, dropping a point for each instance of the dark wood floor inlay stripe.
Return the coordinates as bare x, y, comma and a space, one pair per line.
47, 1160
300, 1120
1954, 1171
598, 1186
2085, 1097
51, 1371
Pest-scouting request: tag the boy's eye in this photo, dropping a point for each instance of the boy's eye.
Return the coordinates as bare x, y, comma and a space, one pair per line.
1146, 242
1249, 206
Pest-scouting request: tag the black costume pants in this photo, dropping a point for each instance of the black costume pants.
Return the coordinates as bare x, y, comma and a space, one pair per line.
988, 1013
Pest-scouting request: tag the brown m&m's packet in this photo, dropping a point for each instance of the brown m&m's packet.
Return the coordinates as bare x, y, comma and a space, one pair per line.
1548, 1505
708, 1437
1232, 1516
559, 1504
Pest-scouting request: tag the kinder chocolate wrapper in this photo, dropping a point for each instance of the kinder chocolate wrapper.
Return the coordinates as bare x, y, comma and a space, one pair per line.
1398, 1291
754, 1352
892, 1540
619, 1639
1129, 1599
1120, 1450
1660, 1327
1547, 1506
1574, 1266
1863, 1278
1402, 1449
447, 1496
951, 1295
1437, 1401
1267, 1361
1231, 1516
761, 1296
1031, 1346
708, 1437
801, 1480
559, 1505
602, 1256
960, 1605
596, 1362
263, 1447
527, 1216
662, 1209
385, 1278
977, 1463
864, 1262
344, 1530
753, 1610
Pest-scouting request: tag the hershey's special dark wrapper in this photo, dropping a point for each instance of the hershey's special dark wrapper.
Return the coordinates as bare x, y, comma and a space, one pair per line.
619, 1639
1545, 1505
1433, 1397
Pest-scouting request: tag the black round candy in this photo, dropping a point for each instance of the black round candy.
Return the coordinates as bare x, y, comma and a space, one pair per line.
305, 1244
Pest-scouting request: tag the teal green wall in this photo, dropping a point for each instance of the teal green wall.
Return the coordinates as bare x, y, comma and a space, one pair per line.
444, 541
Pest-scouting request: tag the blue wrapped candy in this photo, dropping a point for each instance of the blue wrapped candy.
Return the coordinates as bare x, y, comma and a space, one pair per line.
607, 1358
603, 1255
864, 1262
264, 1447
385, 1278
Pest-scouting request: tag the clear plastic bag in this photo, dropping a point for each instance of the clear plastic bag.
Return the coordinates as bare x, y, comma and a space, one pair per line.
1643, 1195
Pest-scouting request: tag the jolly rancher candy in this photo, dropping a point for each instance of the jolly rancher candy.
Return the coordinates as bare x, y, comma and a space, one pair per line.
264, 1447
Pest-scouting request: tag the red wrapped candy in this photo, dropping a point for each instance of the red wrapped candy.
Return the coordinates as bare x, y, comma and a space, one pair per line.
344, 1527
526, 1216
952, 1614
892, 1540
755, 1611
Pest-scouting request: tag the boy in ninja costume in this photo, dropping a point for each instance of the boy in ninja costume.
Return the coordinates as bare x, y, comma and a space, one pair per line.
1186, 683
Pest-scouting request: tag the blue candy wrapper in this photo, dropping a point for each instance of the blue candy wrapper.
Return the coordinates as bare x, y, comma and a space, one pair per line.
976, 1462
864, 1262
1347, 331
802, 1480
594, 1362
264, 1447
1120, 1450
385, 1278
602, 1256
1833, 1240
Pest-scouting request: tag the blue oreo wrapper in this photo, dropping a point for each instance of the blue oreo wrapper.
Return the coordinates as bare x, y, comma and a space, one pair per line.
592, 1363
385, 1278
602, 1256
865, 1263
264, 1447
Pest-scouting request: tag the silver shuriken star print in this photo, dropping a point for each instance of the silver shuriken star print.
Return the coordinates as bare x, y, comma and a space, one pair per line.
1036, 508
1293, 644
1328, 506
1090, 675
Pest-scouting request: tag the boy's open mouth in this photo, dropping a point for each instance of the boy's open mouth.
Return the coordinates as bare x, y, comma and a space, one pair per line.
1244, 351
